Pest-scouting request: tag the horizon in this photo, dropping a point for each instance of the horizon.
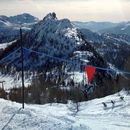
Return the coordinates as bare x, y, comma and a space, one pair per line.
67, 18
76, 10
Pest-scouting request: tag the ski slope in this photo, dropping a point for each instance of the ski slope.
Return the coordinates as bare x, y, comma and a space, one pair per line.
4, 45
92, 115
12, 82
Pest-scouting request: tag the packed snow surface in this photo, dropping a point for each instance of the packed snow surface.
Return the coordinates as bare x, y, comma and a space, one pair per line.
16, 81
11, 82
91, 116
4, 45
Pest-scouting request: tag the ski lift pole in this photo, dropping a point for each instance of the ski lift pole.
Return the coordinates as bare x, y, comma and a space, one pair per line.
22, 67
73, 72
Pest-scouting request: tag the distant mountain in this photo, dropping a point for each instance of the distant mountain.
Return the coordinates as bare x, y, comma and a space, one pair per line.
9, 26
121, 28
115, 48
23, 19
94, 26
105, 27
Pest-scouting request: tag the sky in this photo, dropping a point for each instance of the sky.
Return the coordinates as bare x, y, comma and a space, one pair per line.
75, 10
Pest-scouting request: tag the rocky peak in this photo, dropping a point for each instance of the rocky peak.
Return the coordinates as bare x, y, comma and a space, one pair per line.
50, 16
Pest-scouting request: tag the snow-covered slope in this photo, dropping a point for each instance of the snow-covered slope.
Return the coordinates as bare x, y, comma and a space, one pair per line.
4, 45
91, 116
94, 26
58, 38
105, 27
111, 46
11, 82
121, 28
21, 19
24, 18
9, 26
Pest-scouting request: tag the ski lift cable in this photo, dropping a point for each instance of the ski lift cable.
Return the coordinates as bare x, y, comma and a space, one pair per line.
9, 121
61, 59
2, 60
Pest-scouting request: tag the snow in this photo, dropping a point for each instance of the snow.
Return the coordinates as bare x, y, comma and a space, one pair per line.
11, 82
9, 26
92, 115
78, 77
72, 33
125, 26
84, 53
4, 45
26, 28
6, 23
15, 81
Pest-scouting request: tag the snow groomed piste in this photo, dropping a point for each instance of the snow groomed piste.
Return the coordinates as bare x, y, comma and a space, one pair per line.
91, 116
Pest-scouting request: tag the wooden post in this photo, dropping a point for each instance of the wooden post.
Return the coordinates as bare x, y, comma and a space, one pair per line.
22, 64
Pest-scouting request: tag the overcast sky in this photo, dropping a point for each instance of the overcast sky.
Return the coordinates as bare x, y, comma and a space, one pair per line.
81, 10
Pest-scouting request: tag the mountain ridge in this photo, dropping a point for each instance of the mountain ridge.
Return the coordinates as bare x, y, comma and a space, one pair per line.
105, 27
9, 26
